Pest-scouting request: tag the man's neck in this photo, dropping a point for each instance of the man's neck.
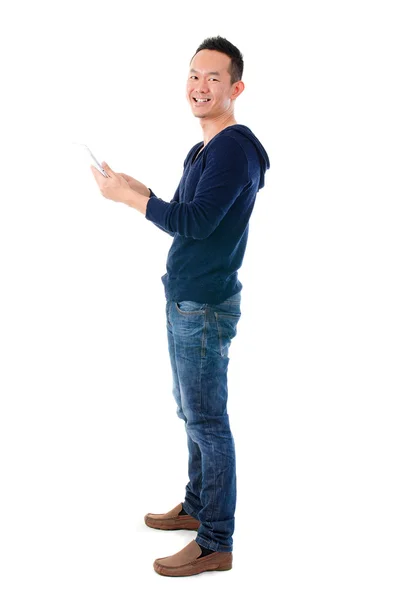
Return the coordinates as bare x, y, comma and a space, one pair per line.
211, 128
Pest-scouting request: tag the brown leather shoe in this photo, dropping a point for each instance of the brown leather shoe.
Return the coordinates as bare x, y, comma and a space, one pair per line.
187, 562
171, 520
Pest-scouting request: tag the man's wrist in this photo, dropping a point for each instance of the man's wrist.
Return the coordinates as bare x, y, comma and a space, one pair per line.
138, 201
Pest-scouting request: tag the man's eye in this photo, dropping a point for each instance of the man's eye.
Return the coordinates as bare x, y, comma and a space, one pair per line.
191, 76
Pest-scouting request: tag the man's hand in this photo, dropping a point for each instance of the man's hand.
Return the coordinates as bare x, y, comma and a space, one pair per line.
136, 185
115, 187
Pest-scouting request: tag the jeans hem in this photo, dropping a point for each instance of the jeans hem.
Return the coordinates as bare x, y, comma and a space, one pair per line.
215, 546
190, 510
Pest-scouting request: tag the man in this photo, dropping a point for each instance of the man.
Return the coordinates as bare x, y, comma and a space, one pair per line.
208, 218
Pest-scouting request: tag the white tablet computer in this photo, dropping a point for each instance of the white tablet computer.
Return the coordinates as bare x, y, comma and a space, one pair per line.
94, 160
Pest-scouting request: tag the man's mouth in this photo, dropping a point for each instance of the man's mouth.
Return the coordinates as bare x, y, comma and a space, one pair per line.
201, 100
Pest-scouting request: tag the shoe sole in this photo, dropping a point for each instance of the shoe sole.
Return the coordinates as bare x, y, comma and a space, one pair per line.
171, 525
190, 570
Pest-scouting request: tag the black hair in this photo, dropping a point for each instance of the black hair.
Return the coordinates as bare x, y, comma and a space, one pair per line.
221, 44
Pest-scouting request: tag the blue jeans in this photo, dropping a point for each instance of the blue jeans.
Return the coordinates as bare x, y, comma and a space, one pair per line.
199, 337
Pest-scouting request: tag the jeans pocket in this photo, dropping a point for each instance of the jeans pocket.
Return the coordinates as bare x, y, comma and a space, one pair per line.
227, 330
189, 307
227, 316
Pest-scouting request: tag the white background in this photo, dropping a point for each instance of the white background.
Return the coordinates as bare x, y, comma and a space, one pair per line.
89, 437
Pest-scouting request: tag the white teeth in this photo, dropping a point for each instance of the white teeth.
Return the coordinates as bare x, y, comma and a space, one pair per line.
202, 99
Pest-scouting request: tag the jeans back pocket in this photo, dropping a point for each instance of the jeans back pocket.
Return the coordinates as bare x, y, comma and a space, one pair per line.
190, 307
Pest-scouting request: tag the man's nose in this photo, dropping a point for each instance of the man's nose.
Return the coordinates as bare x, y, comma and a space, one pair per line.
202, 86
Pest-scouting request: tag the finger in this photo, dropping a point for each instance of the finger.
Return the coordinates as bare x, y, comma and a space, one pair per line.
107, 169
96, 174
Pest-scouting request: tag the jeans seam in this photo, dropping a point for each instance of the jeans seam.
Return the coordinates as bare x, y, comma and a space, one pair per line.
204, 336
219, 333
208, 426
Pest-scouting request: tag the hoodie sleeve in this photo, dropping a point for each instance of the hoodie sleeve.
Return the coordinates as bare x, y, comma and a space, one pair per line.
223, 178
175, 199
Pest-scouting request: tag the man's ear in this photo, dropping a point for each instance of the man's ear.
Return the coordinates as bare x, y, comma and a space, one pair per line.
238, 89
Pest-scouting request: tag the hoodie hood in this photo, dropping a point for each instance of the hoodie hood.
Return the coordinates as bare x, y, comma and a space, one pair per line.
264, 159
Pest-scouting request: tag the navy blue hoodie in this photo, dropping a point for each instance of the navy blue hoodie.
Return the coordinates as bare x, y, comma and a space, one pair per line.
209, 214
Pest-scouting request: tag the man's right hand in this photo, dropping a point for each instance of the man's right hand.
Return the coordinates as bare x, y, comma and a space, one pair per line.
136, 185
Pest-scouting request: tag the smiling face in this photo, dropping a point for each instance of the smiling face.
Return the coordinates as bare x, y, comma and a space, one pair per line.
209, 80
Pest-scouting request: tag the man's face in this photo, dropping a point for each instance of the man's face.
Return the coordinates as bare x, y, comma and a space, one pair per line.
209, 78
